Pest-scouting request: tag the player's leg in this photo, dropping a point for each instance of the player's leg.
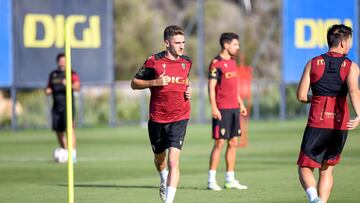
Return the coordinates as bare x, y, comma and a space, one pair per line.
214, 162
175, 135
156, 136
58, 125
335, 144
61, 139
314, 148
325, 182
308, 182
231, 118
174, 174
230, 156
215, 154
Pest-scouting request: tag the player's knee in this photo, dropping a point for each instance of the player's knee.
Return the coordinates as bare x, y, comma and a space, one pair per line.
232, 143
159, 159
173, 164
219, 144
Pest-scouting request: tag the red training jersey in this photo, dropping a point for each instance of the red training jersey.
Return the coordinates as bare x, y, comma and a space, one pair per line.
226, 90
167, 103
329, 106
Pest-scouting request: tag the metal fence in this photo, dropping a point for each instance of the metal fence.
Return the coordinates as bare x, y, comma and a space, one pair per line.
130, 107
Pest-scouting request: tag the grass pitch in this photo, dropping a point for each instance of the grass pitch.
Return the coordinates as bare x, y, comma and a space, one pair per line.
116, 165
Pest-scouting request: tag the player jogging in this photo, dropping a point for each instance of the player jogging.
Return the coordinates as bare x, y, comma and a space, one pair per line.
331, 76
225, 104
56, 88
166, 75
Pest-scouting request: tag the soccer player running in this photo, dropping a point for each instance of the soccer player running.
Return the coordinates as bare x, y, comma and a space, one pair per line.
225, 105
331, 76
166, 75
56, 88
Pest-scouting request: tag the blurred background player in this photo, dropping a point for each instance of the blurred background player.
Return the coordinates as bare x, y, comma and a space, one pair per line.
56, 88
225, 103
330, 76
166, 75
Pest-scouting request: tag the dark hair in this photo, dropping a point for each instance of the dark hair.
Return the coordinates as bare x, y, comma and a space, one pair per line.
172, 30
60, 55
227, 38
337, 33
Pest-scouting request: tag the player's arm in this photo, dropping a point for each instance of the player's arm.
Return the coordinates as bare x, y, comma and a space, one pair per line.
145, 78
243, 110
48, 90
214, 109
75, 82
352, 83
304, 85
188, 92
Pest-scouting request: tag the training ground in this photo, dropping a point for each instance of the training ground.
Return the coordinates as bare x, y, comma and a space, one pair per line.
115, 165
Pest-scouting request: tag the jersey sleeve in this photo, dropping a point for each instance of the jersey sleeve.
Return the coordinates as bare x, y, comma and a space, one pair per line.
49, 81
75, 77
147, 71
214, 72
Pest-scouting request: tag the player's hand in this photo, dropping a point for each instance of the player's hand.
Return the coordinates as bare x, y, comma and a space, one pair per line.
64, 82
188, 92
216, 113
352, 124
243, 110
162, 81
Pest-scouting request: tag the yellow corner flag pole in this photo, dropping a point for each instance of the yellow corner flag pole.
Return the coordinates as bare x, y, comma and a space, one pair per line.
69, 120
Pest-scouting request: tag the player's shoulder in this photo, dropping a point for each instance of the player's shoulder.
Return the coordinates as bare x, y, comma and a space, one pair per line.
54, 72
216, 60
186, 58
158, 56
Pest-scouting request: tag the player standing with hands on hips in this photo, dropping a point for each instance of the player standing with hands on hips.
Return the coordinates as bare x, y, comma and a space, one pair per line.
331, 76
225, 104
166, 75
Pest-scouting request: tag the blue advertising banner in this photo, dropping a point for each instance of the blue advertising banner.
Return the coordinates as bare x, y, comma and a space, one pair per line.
5, 44
39, 37
305, 24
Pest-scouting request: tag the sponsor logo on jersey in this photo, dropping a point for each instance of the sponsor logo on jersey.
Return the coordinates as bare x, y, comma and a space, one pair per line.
231, 74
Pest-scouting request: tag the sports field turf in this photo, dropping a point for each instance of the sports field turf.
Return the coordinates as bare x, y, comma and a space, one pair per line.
115, 166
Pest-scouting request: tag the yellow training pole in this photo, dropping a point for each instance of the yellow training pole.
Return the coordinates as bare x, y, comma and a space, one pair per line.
69, 120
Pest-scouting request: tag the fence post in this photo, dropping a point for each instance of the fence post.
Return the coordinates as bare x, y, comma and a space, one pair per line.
282, 113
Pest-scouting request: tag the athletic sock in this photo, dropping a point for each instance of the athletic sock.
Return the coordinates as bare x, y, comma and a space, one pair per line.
311, 193
170, 194
230, 176
212, 176
163, 175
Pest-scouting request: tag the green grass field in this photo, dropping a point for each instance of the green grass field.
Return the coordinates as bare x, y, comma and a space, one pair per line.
115, 165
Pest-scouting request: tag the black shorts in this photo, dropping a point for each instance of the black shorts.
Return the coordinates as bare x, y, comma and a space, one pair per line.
59, 120
229, 126
321, 145
165, 135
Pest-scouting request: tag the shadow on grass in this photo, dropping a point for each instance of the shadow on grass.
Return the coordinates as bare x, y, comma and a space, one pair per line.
127, 186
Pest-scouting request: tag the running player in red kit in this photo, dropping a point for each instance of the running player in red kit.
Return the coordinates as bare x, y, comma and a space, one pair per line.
226, 106
331, 76
166, 75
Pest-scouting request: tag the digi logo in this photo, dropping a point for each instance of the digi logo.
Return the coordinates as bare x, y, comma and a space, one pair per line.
178, 80
231, 74
311, 33
53, 31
